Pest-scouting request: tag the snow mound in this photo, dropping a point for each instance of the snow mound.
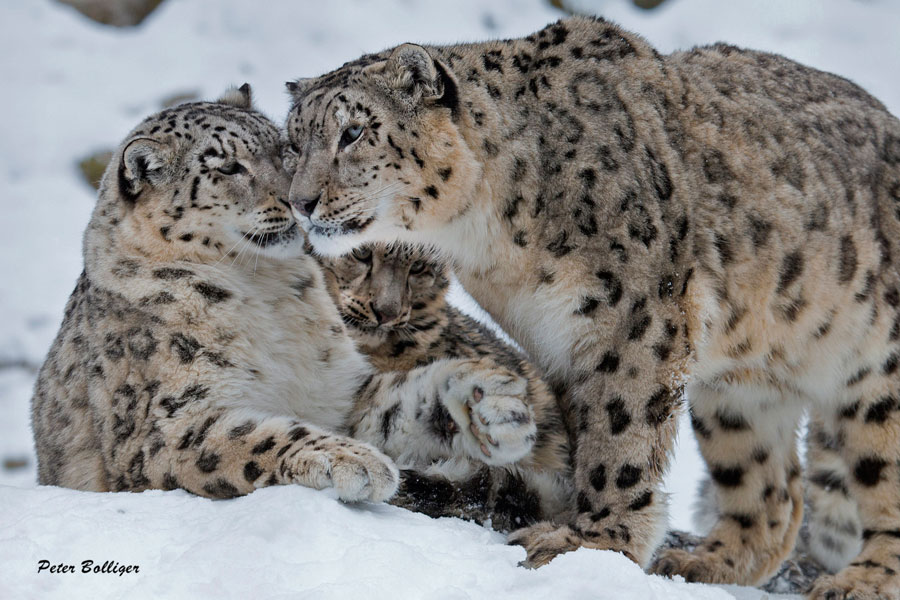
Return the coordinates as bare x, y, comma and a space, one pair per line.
286, 542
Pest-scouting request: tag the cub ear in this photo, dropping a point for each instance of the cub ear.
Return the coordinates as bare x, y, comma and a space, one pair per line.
145, 162
298, 88
241, 97
413, 71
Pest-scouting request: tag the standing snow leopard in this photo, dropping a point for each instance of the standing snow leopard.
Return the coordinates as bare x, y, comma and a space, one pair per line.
200, 349
393, 300
717, 221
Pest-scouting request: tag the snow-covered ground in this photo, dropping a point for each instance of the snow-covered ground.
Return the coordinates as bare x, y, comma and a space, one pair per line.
73, 87
286, 542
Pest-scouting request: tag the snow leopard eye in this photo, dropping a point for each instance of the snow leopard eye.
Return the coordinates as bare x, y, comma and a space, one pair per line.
350, 135
362, 254
290, 157
417, 267
291, 150
232, 168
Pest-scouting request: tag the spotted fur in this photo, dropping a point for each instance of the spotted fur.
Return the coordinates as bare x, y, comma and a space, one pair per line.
717, 221
394, 301
200, 349
830, 535
796, 575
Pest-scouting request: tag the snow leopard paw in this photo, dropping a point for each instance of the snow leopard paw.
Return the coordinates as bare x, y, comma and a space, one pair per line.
489, 406
543, 542
357, 471
874, 574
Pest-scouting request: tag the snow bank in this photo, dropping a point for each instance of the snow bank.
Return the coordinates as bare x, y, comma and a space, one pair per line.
286, 542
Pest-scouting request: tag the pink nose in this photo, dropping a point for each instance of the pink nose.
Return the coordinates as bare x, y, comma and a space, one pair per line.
306, 206
385, 314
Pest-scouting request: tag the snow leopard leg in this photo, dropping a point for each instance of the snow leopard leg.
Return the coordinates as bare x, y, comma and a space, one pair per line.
450, 408
749, 444
866, 433
225, 452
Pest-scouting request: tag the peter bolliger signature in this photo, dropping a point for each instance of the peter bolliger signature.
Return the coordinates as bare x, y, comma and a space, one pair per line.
107, 567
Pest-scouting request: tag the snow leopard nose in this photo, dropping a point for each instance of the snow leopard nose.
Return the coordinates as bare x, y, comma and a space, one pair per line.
387, 313
306, 206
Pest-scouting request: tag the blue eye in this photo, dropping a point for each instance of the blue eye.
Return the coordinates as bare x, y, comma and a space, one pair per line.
350, 135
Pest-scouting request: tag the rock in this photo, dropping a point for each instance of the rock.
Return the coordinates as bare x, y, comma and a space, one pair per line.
118, 13
13, 463
179, 98
647, 4
586, 8
92, 167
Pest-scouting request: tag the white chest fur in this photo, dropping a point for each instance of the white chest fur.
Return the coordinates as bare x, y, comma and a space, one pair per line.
536, 316
294, 355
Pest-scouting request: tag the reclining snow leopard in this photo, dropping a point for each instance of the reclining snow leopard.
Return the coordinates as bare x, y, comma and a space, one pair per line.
201, 351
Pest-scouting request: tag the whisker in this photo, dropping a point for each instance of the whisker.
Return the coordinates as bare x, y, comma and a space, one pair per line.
377, 195
389, 187
256, 263
226, 253
245, 258
246, 238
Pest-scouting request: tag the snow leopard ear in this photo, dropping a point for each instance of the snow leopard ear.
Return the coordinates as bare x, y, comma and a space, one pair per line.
298, 88
410, 69
145, 162
241, 97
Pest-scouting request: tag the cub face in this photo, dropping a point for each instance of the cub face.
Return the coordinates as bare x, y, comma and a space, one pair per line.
380, 289
376, 151
203, 181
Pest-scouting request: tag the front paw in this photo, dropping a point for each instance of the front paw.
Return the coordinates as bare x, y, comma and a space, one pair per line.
357, 471
489, 406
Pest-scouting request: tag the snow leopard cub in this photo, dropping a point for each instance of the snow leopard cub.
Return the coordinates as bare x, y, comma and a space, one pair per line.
201, 351
394, 301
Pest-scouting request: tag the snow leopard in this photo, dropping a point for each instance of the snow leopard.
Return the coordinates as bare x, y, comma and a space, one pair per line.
719, 224
201, 351
393, 299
